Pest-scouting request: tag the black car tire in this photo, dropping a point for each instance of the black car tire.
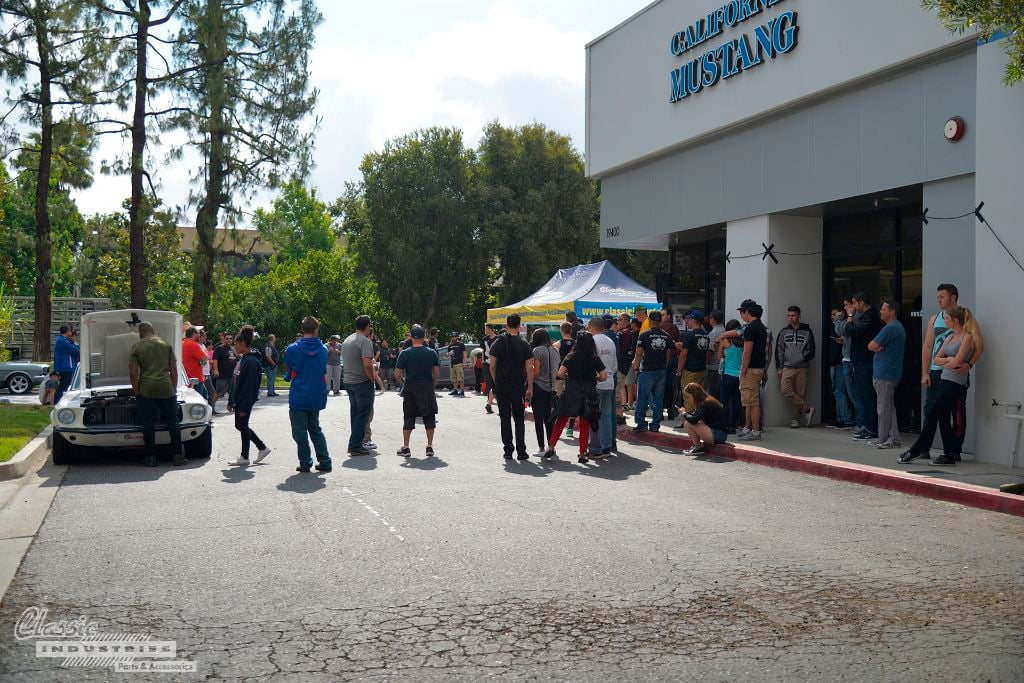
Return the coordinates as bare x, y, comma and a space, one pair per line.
201, 446
64, 452
19, 383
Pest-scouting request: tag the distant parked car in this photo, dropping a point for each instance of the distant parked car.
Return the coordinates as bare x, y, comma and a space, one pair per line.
19, 377
446, 366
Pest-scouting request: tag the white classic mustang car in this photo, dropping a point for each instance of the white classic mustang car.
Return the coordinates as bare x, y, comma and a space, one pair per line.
98, 410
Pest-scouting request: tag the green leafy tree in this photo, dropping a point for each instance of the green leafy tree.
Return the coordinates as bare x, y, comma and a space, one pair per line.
51, 59
297, 223
538, 205
244, 111
414, 224
325, 284
989, 16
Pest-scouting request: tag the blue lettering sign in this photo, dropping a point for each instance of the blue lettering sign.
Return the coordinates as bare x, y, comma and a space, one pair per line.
776, 36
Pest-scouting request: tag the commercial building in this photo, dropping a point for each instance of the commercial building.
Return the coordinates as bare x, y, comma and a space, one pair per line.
854, 138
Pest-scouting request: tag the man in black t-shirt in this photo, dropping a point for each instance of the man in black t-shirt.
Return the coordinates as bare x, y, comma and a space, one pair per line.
511, 371
224, 360
457, 356
388, 356
693, 356
651, 360
755, 361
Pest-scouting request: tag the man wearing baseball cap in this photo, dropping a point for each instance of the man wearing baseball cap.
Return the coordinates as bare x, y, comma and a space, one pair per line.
457, 356
640, 313
693, 355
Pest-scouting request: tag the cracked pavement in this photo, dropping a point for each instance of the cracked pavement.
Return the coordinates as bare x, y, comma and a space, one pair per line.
648, 566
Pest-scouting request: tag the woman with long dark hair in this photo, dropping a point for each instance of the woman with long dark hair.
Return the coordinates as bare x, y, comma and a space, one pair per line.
545, 370
582, 369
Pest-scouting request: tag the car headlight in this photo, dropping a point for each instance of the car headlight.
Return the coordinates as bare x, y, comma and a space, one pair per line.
197, 412
66, 416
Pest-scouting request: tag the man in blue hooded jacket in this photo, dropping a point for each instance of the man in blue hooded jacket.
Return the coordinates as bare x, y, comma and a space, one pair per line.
307, 367
65, 359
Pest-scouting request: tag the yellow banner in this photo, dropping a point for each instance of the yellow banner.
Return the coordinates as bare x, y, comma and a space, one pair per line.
532, 315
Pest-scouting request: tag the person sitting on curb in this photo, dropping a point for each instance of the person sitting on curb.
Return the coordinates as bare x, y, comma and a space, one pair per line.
706, 424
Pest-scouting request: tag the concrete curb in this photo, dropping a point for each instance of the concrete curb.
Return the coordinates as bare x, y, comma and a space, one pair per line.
892, 480
28, 457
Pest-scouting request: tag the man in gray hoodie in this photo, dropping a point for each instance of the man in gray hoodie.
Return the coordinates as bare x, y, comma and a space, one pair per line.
793, 353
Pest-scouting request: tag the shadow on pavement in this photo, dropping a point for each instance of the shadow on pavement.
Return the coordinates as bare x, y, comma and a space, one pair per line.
361, 462
101, 466
615, 468
434, 463
527, 468
236, 475
303, 482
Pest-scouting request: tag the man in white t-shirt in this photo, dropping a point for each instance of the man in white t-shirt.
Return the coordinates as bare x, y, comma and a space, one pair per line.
606, 351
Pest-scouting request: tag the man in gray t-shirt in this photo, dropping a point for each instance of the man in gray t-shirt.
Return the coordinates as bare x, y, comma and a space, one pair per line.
334, 365
360, 380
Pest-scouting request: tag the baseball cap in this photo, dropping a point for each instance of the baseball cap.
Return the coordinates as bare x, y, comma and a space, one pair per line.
417, 332
608, 318
639, 308
695, 314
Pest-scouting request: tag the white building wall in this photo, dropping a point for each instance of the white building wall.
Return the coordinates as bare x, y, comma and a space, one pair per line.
795, 280
1000, 148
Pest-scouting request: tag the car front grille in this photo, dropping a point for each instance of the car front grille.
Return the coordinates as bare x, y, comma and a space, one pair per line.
115, 411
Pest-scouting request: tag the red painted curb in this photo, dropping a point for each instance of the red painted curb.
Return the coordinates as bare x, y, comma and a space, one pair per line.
892, 480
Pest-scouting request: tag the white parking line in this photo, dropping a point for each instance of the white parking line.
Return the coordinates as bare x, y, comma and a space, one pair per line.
375, 513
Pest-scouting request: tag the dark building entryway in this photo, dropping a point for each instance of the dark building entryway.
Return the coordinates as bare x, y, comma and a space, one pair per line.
878, 251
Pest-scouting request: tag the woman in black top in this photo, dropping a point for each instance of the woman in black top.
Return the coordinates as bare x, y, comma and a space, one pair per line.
582, 369
706, 424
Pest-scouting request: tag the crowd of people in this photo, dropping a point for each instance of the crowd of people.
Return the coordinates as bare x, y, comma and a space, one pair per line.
714, 372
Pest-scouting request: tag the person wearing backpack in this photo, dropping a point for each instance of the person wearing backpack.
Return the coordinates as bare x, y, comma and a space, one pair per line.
545, 370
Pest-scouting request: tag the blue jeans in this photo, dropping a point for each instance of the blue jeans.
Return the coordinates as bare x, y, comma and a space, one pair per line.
360, 403
650, 389
865, 400
729, 397
605, 436
271, 381
844, 416
851, 391
306, 427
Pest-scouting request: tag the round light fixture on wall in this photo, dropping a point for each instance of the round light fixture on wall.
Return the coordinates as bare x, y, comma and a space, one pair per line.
955, 129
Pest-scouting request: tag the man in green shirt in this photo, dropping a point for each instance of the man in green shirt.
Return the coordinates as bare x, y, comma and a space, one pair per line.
154, 374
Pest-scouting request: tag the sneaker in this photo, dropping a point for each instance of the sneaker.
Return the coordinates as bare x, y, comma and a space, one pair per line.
640, 428
654, 428
597, 455
489, 409
908, 457
323, 468
430, 451
886, 445
180, 459
540, 452
743, 432
809, 415
549, 454
523, 456
750, 436
874, 442
262, 455
583, 460
404, 452
943, 460
695, 450
369, 445
303, 468
794, 423
864, 436
358, 451
240, 462
508, 456
607, 451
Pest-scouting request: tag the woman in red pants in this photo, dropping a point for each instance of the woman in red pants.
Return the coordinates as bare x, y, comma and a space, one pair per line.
582, 369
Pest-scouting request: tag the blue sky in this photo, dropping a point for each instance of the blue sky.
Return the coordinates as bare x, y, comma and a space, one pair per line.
388, 67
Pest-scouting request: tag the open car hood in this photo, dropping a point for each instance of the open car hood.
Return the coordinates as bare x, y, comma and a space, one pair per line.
108, 336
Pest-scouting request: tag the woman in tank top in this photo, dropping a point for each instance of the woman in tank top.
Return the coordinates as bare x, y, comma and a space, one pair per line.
955, 350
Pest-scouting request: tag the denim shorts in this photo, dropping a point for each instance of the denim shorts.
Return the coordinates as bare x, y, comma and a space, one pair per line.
719, 436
